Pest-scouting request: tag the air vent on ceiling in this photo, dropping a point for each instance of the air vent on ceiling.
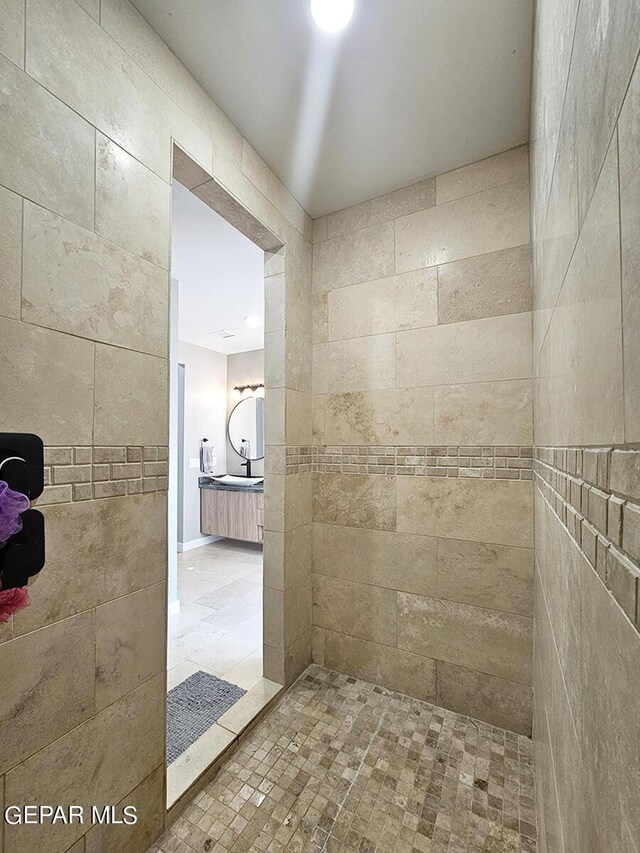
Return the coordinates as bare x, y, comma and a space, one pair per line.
223, 333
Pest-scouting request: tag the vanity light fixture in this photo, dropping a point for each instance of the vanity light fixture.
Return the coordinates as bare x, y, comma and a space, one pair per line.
243, 388
331, 16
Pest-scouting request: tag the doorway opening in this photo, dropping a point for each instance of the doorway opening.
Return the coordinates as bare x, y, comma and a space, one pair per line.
215, 667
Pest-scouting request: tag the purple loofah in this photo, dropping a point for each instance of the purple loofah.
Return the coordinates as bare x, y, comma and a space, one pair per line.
11, 505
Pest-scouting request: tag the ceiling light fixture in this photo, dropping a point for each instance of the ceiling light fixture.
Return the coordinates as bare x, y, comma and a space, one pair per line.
253, 320
331, 16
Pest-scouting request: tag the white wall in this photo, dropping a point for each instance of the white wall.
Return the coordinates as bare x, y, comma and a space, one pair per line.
243, 368
205, 407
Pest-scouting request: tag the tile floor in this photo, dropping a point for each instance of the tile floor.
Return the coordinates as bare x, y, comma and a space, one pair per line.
340, 765
218, 630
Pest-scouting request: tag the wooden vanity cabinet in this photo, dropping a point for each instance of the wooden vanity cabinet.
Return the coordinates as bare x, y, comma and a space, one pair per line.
234, 514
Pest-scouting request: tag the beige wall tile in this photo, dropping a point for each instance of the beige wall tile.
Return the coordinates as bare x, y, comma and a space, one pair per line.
629, 148
274, 360
274, 502
76, 535
298, 604
355, 500
297, 562
381, 558
297, 501
12, 33
273, 559
493, 511
298, 417
274, 304
130, 397
51, 393
580, 384
474, 351
359, 610
493, 576
101, 83
54, 668
483, 640
501, 703
406, 301
361, 364
297, 657
490, 413
129, 647
319, 231
10, 253
135, 532
392, 668
360, 256
274, 416
88, 769
273, 624
317, 647
148, 800
488, 285
132, 204
76, 282
273, 661
385, 417
319, 317
92, 7
47, 150
512, 165
409, 199
495, 219
625, 472
297, 362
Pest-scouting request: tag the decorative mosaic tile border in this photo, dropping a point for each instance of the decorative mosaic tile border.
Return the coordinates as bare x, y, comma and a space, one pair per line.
83, 473
595, 492
500, 463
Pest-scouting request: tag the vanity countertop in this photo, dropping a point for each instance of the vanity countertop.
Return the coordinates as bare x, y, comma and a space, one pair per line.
209, 483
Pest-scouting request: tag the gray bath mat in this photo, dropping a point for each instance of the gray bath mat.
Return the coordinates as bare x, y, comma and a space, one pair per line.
193, 706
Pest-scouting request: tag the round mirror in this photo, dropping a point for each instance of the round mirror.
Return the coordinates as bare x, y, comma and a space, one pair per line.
246, 428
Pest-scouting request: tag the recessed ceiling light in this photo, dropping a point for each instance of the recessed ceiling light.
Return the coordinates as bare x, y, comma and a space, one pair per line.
253, 320
332, 15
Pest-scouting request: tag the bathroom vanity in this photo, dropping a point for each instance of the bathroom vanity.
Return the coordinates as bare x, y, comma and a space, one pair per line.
234, 511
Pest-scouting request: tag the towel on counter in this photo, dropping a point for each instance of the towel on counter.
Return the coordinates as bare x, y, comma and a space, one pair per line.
245, 448
206, 459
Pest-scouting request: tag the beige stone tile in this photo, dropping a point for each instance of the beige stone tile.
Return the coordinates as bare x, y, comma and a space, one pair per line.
298, 418
385, 417
274, 361
406, 301
493, 576
130, 398
12, 33
134, 534
186, 769
76, 282
318, 411
297, 563
298, 356
319, 231
474, 351
506, 704
273, 559
76, 60
319, 317
10, 253
92, 7
297, 657
273, 613
275, 459
76, 534
360, 610
132, 204
148, 800
318, 646
47, 150
130, 647
187, 172
492, 511
298, 605
488, 285
51, 393
274, 494
409, 199
275, 304
274, 417
380, 558
580, 379
483, 640
625, 473
297, 500
387, 667
364, 255
274, 665
488, 221
53, 667
361, 364
512, 165
246, 708
489, 413
355, 500
629, 148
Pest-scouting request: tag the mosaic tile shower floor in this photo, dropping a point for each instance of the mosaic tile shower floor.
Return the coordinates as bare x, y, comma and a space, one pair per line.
340, 765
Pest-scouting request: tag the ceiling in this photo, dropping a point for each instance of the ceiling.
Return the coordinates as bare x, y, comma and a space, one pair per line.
220, 274
411, 88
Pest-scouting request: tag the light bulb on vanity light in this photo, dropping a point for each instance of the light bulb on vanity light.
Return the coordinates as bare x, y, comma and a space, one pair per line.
253, 320
331, 16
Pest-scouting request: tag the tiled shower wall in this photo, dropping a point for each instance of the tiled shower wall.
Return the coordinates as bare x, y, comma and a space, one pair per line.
422, 434
586, 229
90, 100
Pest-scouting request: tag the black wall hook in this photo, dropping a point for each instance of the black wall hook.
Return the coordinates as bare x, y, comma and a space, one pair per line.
22, 468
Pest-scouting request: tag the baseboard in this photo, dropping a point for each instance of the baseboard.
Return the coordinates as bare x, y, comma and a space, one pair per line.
197, 543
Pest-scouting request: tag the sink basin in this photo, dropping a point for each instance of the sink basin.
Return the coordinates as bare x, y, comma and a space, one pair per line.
231, 480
